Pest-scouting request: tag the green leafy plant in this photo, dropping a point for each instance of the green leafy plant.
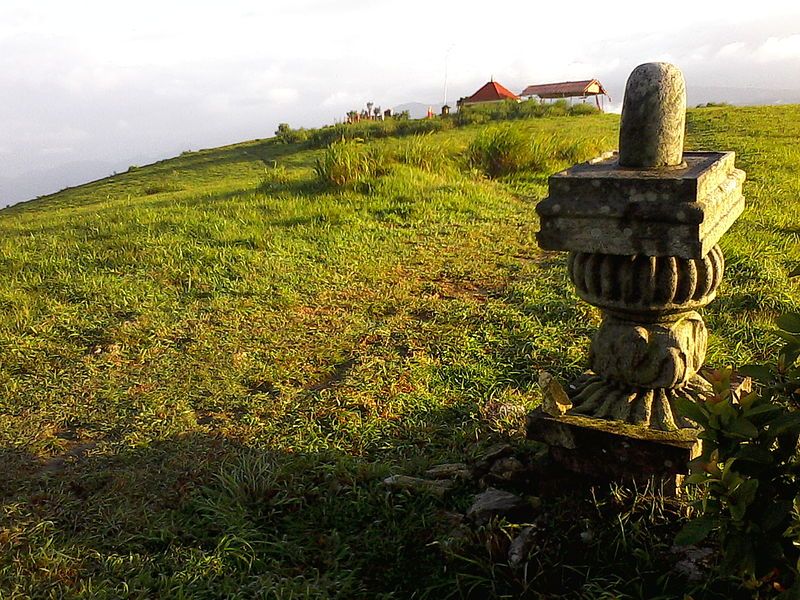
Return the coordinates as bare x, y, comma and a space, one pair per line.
746, 478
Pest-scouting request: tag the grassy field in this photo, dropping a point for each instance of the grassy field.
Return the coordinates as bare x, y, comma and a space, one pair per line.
208, 365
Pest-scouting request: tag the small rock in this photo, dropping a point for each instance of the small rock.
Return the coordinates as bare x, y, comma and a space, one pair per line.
521, 546
498, 503
449, 471
508, 469
555, 401
496, 452
453, 519
438, 487
695, 562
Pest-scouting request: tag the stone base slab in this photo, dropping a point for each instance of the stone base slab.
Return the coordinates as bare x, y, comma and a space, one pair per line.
603, 450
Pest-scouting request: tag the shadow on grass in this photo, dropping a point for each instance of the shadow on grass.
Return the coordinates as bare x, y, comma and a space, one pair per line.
206, 515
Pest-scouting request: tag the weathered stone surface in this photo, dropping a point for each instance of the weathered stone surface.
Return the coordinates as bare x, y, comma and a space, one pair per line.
642, 229
508, 469
521, 546
492, 454
602, 450
652, 407
449, 471
598, 207
498, 503
647, 287
555, 400
653, 117
436, 487
652, 355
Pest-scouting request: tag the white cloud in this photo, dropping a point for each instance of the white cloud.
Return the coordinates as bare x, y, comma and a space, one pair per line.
283, 95
57, 150
341, 99
731, 50
780, 48
218, 103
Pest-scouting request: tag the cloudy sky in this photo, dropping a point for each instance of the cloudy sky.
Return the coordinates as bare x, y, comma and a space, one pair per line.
90, 86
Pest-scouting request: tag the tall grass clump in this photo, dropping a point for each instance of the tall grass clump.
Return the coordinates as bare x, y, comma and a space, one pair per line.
499, 151
373, 130
274, 178
348, 162
582, 109
420, 151
509, 110
506, 150
578, 150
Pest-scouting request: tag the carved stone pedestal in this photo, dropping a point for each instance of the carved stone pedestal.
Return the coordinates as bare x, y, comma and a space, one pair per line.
652, 342
642, 229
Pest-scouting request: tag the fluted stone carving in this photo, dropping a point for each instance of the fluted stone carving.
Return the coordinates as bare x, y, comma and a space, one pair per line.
646, 285
642, 231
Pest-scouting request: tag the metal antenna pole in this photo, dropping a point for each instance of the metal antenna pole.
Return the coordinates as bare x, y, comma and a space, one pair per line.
446, 59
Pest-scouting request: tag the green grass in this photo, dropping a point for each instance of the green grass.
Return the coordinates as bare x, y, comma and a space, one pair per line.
208, 364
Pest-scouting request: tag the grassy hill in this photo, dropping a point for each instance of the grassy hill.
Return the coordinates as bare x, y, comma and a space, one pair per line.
208, 364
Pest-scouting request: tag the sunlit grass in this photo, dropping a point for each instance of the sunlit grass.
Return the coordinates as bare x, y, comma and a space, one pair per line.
208, 364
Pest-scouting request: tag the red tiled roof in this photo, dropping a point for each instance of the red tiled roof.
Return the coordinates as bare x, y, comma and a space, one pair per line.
491, 92
565, 89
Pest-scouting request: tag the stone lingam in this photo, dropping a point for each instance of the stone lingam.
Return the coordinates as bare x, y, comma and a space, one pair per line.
641, 227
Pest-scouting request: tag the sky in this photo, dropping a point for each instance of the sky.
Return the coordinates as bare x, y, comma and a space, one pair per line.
90, 87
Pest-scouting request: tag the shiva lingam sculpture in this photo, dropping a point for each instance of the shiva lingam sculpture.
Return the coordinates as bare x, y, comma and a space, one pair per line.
641, 228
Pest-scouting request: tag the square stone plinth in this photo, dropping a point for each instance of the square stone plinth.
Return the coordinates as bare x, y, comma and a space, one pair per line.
683, 211
598, 449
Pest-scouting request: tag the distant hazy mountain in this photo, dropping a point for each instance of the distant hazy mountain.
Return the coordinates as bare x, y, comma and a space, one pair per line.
742, 96
417, 110
48, 181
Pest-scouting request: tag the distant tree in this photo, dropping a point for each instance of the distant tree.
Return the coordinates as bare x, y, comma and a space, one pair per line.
369, 109
287, 135
377, 112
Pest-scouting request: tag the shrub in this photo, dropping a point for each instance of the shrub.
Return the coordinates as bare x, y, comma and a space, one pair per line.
543, 150
713, 105
747, 475
467, 116
510, 110
287, 135
160, 187
364, 130
349, 162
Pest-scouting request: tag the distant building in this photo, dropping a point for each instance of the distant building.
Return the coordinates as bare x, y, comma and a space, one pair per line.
489, 92
568, 89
